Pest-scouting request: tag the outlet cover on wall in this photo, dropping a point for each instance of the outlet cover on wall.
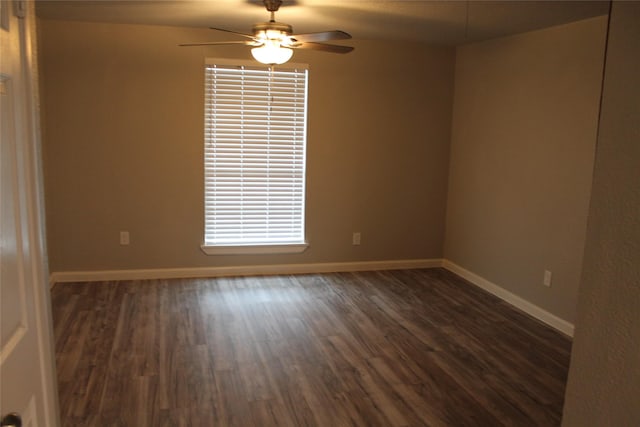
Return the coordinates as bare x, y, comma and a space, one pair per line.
356, 239
124, 238
547, 278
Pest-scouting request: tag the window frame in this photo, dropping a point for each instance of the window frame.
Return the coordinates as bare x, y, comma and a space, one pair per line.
266, 247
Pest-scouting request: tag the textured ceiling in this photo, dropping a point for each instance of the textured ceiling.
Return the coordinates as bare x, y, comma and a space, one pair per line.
436, 22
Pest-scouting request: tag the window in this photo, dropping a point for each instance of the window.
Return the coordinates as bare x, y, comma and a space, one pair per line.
255, 150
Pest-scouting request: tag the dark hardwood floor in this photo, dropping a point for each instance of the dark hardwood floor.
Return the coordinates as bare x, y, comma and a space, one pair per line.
392, 348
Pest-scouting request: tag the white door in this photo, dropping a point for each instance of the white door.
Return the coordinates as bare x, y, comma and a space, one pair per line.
27, 376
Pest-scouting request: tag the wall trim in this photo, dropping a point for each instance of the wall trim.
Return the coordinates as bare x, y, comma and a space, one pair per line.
241, 270
513, 299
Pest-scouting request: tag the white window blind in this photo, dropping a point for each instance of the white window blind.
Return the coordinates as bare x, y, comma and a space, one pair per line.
255, 143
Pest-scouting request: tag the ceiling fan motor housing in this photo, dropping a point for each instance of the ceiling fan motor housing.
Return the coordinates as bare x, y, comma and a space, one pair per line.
275, 26
272, 31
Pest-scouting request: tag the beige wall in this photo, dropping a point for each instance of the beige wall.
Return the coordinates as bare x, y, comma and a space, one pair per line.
523, 140
123, 136
604, 380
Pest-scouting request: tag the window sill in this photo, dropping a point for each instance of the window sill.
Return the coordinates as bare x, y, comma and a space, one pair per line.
284, 248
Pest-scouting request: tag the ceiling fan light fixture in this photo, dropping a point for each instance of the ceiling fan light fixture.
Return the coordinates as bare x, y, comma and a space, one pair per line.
272, 54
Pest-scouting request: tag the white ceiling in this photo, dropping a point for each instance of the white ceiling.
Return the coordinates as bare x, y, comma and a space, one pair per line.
438, 22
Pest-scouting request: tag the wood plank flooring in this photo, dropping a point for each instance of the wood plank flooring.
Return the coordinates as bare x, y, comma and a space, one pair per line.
391, 348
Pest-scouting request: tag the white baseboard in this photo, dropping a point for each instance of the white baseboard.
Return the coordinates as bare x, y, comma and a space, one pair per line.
524, 305
243, 270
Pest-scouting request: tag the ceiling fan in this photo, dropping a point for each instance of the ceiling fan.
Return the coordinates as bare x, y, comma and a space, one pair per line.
273, 41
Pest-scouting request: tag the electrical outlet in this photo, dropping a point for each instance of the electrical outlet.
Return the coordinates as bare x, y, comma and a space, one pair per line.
356, 239
547, 279
124, 238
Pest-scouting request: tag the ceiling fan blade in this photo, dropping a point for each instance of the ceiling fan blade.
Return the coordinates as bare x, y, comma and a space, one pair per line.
246, 43
333, 48
232, 32
323, 36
